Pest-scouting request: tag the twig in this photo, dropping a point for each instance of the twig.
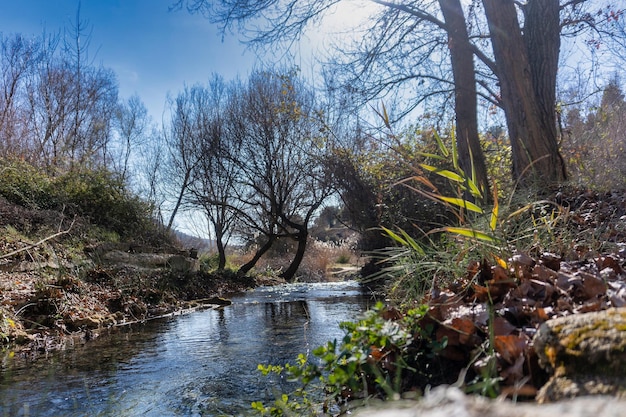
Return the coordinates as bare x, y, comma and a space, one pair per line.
15, 252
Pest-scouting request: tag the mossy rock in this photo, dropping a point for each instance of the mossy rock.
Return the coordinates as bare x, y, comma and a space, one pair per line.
584, 343
563, 387
586, 353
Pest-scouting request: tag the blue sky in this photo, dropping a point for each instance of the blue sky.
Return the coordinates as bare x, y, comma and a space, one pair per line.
155, 52
152, 51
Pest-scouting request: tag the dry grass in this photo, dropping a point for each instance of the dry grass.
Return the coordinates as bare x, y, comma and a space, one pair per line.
319, 264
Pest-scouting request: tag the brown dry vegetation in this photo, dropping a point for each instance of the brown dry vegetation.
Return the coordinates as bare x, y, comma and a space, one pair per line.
323, 261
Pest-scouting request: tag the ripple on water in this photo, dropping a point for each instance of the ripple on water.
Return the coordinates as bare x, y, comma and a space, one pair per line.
203, 363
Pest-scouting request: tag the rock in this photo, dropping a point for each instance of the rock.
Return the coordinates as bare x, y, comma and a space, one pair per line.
182, 264
138, 309
85, 322
562, 387
451, 402
108, 321
144, 260
179, 262
159, 311
586, 354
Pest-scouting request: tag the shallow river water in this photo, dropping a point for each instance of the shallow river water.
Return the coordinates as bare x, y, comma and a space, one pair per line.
200, 364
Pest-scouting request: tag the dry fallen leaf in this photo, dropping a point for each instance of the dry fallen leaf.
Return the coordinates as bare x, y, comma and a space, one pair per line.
510, 347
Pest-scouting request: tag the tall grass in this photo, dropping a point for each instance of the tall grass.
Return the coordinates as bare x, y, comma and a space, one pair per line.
483, 229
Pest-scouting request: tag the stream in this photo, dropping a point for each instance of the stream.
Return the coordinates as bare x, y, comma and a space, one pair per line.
200, 364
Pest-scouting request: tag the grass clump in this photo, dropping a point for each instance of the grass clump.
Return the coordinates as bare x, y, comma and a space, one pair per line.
209, 262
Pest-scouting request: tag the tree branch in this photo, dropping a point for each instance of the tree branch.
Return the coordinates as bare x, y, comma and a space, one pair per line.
418, 13
15, 252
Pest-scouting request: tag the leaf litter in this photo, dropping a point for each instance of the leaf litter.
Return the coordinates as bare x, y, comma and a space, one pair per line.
493, 312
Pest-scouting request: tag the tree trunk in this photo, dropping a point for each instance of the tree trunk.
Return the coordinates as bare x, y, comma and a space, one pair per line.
531, 126
542, 35
221, 248
179, 200
471, 156
245, 268
301, 237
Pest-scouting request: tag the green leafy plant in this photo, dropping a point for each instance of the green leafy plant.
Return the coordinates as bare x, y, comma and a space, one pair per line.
417, 265
482, 228
370, 361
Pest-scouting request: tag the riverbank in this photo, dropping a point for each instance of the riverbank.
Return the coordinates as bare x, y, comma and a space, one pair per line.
51, 295
56, 289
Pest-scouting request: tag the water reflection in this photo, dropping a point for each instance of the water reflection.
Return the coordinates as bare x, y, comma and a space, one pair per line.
200, 364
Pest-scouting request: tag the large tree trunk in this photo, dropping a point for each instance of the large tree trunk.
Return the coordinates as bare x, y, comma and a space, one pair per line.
471, 156
542, 35
301, 237
530, 119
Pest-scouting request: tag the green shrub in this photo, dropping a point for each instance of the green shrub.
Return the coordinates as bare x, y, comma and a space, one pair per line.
209, 262
98, 195
103, 198
343, 258
24, 185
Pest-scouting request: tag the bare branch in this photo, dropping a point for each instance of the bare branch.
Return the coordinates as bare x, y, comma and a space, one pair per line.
42, 241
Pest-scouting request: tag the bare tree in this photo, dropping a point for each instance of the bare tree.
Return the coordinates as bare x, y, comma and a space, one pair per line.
132, 122
182, 156
149, 179
214, 183
274, 125
70, 110
248, 155
520, 50
18, 57
93, 99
